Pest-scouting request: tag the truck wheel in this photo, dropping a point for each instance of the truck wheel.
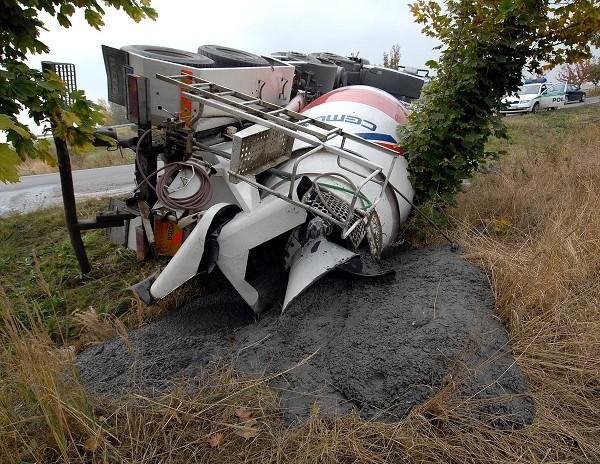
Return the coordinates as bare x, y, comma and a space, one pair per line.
346, 63
536, 107
294, 56
172, 55
226, 57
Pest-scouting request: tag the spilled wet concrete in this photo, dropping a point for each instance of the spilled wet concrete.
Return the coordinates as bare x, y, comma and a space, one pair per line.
378, 346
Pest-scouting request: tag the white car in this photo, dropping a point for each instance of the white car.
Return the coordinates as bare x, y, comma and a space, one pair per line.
531, 98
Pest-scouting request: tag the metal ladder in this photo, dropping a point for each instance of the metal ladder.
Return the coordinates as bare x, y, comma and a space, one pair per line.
314, 132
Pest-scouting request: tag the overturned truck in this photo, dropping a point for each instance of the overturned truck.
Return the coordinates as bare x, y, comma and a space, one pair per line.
290, 157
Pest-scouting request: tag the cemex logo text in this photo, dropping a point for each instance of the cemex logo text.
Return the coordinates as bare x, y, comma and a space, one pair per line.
348, 119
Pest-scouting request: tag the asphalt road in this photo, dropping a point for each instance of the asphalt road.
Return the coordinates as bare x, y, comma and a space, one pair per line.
43, 190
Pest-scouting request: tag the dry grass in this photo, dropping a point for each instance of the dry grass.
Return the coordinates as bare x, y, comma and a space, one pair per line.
534, 225
99, 157
531, 222
593, 92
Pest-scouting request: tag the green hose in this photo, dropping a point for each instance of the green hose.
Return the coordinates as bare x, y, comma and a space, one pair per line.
365, 201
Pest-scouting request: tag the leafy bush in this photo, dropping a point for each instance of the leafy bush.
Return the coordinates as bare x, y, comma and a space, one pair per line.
486, 47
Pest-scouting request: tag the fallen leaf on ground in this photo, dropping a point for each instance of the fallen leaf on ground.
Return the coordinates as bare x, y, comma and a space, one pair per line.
243, 414
91, 444
247, 432
215, 439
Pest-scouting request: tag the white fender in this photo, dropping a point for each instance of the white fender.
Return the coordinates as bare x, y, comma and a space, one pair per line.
247, 230
184, 265
315, 259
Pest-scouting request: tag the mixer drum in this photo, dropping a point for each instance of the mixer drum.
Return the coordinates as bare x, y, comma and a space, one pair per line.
373, 115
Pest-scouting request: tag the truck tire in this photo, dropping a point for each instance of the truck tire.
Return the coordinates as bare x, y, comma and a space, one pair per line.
346, 63
294, 56
172, 55
225, 57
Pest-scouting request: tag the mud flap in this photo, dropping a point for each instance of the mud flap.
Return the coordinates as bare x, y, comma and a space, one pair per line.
315, 259
142, 288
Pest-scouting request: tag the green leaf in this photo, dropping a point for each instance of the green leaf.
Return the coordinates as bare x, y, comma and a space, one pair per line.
505, 6
9, 160
44, 151
70, 118
7, 123
51, 85
67, 9
93, 18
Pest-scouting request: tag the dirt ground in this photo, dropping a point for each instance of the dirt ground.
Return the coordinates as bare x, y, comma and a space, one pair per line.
378, 347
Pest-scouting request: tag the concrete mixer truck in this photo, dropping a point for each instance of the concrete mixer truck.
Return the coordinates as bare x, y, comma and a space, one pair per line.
264, 158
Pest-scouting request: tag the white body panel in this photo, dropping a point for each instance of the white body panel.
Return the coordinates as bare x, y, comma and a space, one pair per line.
545, 95
271, 83
184, 265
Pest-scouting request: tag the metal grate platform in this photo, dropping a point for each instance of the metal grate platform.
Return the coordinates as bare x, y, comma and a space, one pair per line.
66, 71
258, 148
330, 203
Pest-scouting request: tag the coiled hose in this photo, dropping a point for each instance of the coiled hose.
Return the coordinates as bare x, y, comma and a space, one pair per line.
194, 202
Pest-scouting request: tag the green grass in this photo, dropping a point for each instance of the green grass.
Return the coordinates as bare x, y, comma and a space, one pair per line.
39, 272
544, 131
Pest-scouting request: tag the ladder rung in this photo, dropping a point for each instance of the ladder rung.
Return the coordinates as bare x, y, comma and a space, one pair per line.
294, 126
277, 111
251, 102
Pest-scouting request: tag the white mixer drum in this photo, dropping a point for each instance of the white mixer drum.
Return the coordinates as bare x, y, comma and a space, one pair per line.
373, 115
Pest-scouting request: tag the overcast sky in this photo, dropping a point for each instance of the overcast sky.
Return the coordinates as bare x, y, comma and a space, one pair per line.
259, 26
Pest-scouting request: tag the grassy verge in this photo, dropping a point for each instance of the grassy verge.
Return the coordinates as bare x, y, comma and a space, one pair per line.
594, 92
39, 273
531, 221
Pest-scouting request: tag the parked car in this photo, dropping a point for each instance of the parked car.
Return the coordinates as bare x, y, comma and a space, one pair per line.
574, 94
534, 97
